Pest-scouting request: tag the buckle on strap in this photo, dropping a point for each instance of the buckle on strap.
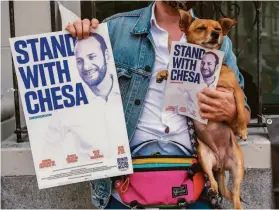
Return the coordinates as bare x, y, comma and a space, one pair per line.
135, 205
193, 169
181, 203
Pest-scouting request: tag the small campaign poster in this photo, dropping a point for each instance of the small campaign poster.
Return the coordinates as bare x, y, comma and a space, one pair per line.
191, 69
72, 106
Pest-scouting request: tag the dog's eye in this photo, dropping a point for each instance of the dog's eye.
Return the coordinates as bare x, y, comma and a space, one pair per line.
202, 28
217, 29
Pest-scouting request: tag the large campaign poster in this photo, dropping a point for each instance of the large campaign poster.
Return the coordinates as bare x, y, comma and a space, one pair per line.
191, 69
72, 106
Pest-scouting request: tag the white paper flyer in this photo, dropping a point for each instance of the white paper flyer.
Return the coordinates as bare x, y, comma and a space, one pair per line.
191, 68
72, 106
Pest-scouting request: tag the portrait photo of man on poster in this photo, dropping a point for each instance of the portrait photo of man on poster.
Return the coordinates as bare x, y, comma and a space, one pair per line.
92, 58
209, 64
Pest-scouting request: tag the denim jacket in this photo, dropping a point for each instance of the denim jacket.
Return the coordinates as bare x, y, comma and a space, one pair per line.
134, 56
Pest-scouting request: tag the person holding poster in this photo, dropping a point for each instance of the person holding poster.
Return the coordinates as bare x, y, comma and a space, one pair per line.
185, 83
141, 41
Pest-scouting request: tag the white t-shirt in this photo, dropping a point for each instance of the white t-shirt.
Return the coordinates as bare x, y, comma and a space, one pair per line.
154, 121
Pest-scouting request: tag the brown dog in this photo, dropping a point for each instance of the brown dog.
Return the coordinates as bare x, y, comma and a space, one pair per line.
218, 149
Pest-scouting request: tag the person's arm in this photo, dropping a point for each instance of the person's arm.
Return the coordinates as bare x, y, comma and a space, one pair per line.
231, 61
219, 104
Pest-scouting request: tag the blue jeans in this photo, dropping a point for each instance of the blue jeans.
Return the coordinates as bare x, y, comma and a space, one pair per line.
115, 204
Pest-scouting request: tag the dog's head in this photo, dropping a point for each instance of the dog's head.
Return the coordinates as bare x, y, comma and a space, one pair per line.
204, 32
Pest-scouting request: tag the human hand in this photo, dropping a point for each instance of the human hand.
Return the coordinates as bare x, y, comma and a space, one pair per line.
217, 105
81, 28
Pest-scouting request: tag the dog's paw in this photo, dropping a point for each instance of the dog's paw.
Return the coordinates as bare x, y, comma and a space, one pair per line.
162, 75
159, 79
212, 193
214, 198
242, 133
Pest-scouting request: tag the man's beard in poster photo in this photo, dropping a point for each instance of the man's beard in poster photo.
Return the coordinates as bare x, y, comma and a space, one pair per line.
207, 72
95, 75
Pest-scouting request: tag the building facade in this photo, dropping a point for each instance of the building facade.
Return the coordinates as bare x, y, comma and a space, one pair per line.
254, 54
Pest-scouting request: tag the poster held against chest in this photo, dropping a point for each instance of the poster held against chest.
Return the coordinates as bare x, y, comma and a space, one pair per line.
72, 106
191, 69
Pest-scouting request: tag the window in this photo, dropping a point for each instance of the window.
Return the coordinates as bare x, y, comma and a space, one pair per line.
247, 59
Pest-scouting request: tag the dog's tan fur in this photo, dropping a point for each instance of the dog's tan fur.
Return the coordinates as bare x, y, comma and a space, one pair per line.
218, 149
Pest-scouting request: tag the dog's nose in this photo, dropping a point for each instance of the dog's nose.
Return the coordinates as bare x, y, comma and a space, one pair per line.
215, 35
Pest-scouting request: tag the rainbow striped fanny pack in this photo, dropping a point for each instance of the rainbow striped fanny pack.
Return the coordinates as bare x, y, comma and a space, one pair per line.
161, 182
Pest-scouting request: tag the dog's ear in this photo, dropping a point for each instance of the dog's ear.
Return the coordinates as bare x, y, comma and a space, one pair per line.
226, 24
185, 20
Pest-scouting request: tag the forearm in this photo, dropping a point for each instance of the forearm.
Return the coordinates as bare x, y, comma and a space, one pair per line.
232, 63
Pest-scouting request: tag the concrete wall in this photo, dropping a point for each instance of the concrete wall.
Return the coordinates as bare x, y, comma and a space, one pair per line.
6, 60
22, 192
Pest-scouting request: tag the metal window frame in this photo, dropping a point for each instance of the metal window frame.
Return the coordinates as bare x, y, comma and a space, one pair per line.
52, 15
19, 130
